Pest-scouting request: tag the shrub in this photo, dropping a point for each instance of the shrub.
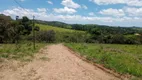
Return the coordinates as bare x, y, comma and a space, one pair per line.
76, 37
46, 36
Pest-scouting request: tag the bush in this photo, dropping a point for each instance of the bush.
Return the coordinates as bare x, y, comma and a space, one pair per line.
118, 39
76, 37
45, 36
132, 39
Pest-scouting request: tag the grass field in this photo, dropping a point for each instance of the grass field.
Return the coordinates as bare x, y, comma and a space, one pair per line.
19, 52
125, 59
66, 35
56, 29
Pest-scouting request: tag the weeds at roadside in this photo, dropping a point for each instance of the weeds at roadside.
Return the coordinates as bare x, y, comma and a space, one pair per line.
22, 51
124, 59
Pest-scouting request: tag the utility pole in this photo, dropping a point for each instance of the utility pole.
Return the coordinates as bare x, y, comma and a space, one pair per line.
33, 30
16, 36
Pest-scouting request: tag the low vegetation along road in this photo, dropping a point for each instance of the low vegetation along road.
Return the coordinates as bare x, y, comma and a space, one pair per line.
54, 62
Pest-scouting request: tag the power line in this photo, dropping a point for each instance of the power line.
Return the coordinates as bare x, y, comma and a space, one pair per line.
20, 6
18, 3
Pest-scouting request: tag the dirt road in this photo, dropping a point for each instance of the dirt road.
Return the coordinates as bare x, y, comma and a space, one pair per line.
53, 62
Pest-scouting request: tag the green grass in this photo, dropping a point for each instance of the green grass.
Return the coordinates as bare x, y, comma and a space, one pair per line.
125, 59
56, 29
19, 52
65, 35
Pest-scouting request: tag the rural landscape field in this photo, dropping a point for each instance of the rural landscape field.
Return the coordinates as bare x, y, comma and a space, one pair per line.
66, 44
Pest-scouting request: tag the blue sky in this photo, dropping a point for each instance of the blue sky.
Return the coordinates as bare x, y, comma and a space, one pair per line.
103, 12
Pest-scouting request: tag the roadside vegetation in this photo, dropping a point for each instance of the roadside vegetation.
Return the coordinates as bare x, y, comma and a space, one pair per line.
22, 51
14, 39
125, 59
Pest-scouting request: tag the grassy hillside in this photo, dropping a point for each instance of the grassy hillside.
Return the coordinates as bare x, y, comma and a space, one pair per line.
125, 59
66, 35
56, 29
54, 23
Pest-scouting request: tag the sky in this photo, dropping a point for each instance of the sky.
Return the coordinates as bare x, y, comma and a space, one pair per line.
125, 13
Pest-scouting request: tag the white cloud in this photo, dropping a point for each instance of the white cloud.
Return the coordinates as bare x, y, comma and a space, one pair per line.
24, 12
134, 2
104, 2
91, 14
64, 10
41, 9
127, 2
84, 6
70, 4
49, 2
124, 21
129, 11
133, 11
112, 12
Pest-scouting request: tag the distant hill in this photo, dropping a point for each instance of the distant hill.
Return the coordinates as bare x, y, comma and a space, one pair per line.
54, 23
90, 27
56, 29
65, 25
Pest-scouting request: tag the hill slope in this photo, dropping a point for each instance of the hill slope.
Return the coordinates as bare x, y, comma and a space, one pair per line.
66, 35
56, 29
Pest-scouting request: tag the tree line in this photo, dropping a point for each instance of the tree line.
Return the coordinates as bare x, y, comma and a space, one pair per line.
103, 33
12, 31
